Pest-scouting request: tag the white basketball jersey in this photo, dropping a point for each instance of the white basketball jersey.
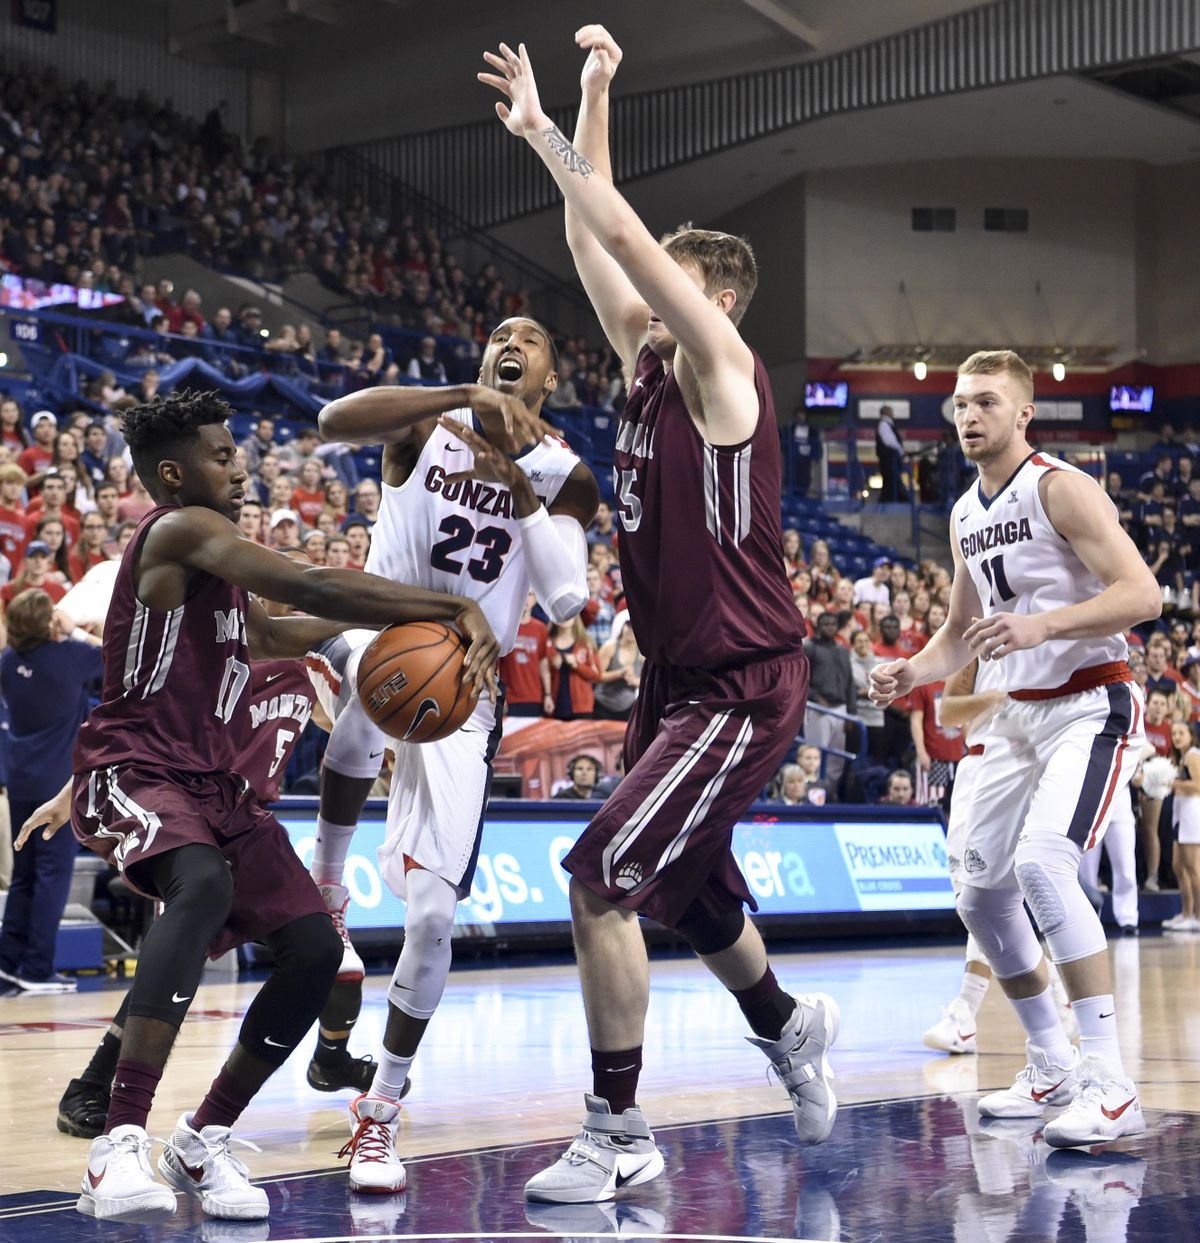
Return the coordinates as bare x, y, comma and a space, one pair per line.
1020, 564
462, 537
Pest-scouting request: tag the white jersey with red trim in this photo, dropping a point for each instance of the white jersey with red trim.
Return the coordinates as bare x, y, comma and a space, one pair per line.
463, 537
1020, 564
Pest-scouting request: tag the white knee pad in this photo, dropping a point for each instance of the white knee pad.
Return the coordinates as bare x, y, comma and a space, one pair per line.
420, 976
355, 744
1047, 869
1003, 934
974, 953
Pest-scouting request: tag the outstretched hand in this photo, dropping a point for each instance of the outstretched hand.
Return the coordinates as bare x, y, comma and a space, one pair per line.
491, 462
53, 814
515, 81
603, 58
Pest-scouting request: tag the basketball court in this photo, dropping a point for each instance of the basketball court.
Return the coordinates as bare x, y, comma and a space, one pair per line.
497, 1090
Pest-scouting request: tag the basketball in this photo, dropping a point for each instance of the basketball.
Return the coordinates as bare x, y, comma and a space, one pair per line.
410, 682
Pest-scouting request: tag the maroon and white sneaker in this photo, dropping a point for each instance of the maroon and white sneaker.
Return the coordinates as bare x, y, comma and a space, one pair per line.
375, 1167
337, 898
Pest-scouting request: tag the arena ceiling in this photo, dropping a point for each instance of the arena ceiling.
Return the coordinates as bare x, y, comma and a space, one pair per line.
1150, 118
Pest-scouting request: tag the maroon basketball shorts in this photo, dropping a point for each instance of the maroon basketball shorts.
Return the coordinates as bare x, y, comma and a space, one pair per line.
130, 813
700, 747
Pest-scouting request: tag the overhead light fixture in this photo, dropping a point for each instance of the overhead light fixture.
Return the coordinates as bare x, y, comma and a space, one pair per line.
920, 369
1059, 372
3, 359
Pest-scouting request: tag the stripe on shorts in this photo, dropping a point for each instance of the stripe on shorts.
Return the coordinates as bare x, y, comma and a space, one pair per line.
1104, 765
123, 802
628, 833
701, 809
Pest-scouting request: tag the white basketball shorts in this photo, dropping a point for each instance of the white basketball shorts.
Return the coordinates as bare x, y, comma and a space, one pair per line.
1051, 765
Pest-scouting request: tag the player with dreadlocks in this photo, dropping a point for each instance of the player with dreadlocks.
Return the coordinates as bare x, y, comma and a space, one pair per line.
157, 791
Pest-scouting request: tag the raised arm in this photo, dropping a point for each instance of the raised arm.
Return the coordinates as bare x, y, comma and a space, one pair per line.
711, 349
387, 415
622, 311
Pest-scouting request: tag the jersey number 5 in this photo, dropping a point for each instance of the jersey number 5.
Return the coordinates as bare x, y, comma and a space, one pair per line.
494, 542
993, 571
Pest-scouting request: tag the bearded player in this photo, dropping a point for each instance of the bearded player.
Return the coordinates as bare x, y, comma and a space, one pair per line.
723, 691
517, 521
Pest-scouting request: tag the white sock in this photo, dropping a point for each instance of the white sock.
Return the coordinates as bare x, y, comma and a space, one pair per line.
329, 854
972, 991
1097, 1018
390, 1075
1039, 1018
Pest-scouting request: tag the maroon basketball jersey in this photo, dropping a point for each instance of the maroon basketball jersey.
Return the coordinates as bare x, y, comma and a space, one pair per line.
700, 533
281, 700
174, 682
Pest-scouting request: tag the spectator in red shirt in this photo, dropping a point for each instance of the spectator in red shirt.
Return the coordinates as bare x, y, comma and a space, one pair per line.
34, 460
119, 472
1158, 724
108, 501
912, 639
12, 427
52, 504
12, 512
889, 646
65, 563
308, 497
574, 669
938, 750
93, 547
525, 671
35, 572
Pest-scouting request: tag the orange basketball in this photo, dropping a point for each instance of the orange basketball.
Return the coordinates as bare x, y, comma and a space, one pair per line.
410, 682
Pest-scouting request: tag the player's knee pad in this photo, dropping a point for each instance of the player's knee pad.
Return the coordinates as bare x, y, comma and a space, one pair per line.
356, 743
996, 919
710, 932
1047, 869
420, 976
974, 953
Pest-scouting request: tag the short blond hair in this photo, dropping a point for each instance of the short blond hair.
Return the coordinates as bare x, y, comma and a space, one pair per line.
724, 260
1000, 362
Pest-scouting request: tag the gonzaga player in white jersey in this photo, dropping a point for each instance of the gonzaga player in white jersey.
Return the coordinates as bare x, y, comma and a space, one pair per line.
1046, 583
493, 514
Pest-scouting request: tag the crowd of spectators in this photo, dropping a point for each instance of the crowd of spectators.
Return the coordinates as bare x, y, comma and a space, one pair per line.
90, 183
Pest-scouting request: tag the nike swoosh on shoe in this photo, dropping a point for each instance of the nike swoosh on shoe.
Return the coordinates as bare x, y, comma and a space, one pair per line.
1041, 1096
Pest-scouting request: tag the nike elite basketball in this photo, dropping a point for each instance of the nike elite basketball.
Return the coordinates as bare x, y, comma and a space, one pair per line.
410, 682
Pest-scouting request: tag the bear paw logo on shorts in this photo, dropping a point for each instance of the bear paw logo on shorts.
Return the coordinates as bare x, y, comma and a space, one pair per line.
385, 690
973, 861
629, 876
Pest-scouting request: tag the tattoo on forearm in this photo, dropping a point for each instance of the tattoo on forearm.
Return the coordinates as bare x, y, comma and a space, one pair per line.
575, 163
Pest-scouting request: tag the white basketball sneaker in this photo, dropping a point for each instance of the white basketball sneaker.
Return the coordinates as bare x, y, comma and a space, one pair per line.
375, 1168
337, 898
610, 1152
118, 1178
200, 1164
955, 1032
1105, 1107
1041, 1083
801, 1059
